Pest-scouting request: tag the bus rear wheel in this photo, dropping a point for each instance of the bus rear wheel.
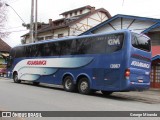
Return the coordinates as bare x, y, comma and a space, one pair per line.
15, 78
84, 86
106, 93
68, 84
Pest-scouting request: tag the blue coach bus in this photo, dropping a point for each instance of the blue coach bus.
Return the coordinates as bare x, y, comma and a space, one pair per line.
109, 62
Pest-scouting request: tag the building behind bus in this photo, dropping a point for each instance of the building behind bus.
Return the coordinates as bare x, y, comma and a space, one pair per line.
4, 53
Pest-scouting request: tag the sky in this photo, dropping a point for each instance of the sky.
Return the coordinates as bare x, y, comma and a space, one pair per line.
51, 9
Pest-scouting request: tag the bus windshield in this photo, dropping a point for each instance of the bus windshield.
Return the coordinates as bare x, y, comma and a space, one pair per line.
141, 42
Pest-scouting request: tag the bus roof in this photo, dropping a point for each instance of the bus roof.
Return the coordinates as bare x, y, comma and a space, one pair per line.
72, 37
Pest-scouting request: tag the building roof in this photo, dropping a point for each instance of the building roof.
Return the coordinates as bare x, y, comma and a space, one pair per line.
4, 46
156, 21
91, 13
157, 57
69, 21
81, 8
152, 27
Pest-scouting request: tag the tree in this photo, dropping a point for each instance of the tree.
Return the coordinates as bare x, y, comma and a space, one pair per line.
3, 19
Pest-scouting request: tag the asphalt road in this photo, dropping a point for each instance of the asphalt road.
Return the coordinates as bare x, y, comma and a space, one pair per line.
53, 98
26, 97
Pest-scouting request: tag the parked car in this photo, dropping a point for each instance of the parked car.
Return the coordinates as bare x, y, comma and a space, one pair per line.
3, 71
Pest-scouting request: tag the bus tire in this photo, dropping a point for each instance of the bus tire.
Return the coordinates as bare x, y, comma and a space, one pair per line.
68, 84
106, 93
84, 86
15, 78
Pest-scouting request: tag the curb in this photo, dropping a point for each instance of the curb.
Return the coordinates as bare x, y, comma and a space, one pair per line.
3, 78
154, 89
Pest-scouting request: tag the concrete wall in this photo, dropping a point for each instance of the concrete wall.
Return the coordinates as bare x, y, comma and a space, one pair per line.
87, 23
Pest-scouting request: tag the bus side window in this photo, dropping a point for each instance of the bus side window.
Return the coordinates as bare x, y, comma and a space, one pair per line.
65, 47
19, 52
26, 51
114, 43
46, 50
41, 50
55, 49
35, 51
62, 48
98, 46
73, 47
84, 46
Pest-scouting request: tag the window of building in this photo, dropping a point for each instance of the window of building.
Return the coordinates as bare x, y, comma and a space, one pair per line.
75, 12
40, 38
80, 11
48, 37
155, 38
66, 15
60, 35
155, 75
70, 14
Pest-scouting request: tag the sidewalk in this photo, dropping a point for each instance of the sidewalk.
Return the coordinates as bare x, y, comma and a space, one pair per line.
155, 89
151, 96
4, 78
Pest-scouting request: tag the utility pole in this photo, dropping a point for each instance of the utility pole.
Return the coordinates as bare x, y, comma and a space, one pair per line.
36, 20
31, 23
122, 3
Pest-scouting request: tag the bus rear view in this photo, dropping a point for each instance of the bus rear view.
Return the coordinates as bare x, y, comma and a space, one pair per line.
137, 72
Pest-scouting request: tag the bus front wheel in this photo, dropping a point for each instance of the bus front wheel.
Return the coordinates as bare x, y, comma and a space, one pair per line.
84, 86
68, 84
15, 78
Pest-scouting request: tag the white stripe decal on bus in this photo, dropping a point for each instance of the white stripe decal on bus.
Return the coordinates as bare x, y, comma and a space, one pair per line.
32, 69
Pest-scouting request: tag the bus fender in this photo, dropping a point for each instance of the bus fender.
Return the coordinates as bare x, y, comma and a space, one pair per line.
15, 72
68, 74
